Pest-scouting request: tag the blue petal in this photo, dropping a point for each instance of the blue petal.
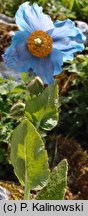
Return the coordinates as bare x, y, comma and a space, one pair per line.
47, 67
32, 18
57, 61
67, 38
17, 56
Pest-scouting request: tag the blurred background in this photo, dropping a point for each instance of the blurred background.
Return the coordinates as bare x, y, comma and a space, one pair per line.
61, 9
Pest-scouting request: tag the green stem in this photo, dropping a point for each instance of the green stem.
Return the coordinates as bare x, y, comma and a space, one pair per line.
26, 192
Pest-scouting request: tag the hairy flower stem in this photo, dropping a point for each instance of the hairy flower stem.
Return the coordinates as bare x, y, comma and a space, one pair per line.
26, 192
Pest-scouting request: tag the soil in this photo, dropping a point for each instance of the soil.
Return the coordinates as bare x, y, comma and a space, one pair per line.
6, 32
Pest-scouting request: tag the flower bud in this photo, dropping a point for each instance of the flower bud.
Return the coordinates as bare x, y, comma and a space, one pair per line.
36, 86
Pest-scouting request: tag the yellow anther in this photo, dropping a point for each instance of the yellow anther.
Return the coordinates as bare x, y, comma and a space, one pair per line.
38, 41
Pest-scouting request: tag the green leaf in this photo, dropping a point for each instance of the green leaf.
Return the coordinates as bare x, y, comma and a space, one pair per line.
24, 77
71, 4
43, 109
55, 189
28, 155
7, 87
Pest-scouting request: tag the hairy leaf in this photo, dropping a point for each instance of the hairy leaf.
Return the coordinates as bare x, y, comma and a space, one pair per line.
43, 109
55, 189
28, 155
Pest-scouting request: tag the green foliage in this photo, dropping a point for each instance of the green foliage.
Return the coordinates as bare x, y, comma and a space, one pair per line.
6, 88
55, 189
43, 114
74, 103
11, 93
58, 10
9, 7
28, 156
42, 110
61, 9
80, 7
5, 7
74, 9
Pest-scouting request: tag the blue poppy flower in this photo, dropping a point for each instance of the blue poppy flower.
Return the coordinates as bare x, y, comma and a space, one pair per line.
41, 44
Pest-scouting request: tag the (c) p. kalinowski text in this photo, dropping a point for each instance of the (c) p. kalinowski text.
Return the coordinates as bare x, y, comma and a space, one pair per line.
49, 207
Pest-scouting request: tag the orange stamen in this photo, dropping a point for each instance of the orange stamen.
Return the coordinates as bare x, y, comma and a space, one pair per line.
39, 44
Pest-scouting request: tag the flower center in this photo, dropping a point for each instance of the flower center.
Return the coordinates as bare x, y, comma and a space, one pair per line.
40, 44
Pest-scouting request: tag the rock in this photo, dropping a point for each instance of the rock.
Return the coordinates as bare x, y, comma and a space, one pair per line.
4, 194
84, 28
7, 19
7, 30
5, 73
